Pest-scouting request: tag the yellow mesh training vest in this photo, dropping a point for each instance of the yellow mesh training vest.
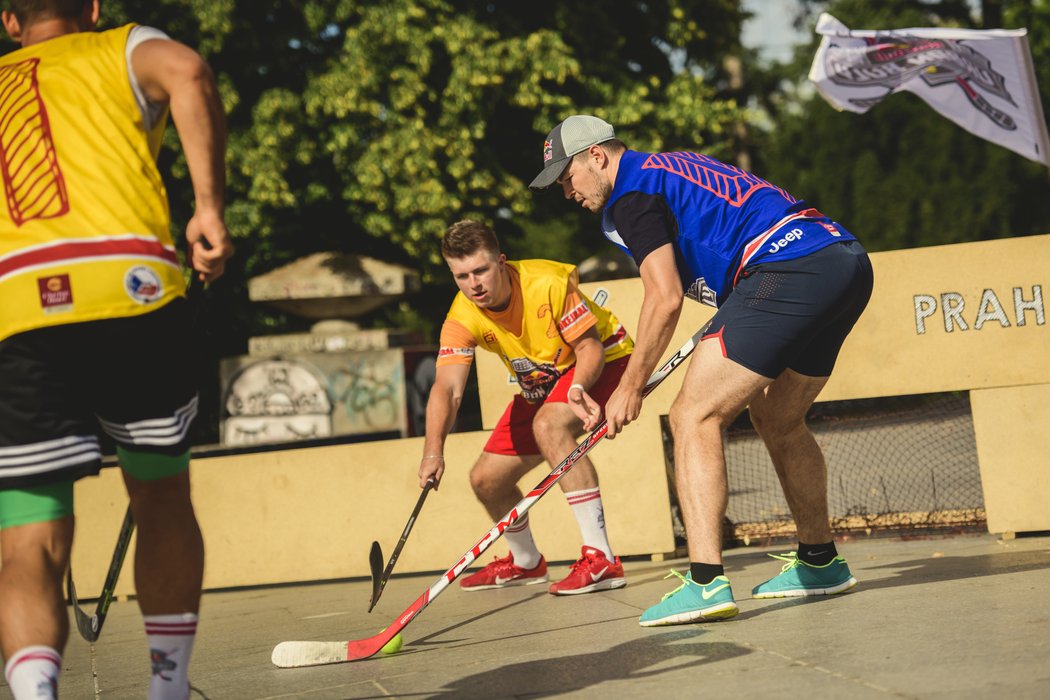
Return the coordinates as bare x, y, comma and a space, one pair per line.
84, 226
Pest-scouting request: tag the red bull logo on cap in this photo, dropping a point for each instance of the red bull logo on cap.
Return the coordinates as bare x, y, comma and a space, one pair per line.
548, 150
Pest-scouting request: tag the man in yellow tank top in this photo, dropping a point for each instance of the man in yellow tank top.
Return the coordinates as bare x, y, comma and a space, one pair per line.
94, 324
567, 354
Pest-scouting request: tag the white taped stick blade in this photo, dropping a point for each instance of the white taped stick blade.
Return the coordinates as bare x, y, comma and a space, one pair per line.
296, 654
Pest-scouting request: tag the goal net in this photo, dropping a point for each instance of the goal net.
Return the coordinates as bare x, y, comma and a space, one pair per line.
905, 463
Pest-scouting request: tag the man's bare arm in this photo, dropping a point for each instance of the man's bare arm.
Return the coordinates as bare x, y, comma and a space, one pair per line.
661, 306
170, 72
446, 395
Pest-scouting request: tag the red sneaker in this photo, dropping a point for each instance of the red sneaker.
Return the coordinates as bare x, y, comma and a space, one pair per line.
501, 573
591, 572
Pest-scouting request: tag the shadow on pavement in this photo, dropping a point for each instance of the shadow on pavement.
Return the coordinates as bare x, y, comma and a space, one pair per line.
634, 660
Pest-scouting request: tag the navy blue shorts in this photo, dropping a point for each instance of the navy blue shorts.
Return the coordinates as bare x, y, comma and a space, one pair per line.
795, 314
132, 377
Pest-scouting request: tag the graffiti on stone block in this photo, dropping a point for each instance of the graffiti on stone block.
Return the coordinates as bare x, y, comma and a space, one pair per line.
299, 397
276, 400
368, 393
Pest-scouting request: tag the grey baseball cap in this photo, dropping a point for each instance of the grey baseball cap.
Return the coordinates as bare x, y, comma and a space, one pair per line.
574, 135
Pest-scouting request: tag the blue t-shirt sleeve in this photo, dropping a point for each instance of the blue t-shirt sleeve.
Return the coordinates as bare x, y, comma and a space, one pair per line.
644, 223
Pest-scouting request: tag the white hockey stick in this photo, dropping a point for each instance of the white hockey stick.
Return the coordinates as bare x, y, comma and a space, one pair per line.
296, 654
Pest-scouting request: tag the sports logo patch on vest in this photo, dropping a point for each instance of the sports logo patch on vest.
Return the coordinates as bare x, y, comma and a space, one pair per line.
56, 293
143, 284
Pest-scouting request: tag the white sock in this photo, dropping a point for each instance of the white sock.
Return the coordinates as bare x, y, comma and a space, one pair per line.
32, 673
587, 507
519, 538
170, 640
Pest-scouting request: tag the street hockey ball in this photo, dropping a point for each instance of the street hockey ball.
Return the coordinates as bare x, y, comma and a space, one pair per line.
394, 645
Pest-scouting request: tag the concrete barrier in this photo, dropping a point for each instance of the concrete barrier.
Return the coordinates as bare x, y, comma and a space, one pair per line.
961, 317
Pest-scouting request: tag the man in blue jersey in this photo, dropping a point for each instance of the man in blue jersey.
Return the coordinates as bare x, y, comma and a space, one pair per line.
789, 284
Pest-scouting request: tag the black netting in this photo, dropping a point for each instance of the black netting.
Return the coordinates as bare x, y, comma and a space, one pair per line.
898, 463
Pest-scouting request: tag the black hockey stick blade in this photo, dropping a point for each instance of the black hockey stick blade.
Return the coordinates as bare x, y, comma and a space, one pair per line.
375, 564
377, 589
87, 625
90, 626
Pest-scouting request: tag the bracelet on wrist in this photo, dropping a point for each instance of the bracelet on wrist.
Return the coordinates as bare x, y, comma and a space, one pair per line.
434, 457
577, 386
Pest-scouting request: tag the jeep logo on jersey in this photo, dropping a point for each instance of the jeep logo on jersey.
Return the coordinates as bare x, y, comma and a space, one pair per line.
900, 58
794, 234
143, 284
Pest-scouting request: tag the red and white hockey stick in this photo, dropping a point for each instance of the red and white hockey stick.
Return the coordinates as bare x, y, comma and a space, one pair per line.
296, 654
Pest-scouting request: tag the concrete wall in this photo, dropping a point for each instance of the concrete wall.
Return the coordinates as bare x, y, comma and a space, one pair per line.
312, 513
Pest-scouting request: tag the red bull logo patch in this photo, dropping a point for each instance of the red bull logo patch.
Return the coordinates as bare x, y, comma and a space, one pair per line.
548, 150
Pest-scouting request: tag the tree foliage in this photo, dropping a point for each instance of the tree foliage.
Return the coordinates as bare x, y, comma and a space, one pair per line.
369, 126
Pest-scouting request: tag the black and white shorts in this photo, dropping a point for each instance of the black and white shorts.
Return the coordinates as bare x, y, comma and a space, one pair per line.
134, 377
794, 314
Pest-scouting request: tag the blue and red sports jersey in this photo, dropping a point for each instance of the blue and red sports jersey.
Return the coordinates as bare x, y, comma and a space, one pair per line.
726, 218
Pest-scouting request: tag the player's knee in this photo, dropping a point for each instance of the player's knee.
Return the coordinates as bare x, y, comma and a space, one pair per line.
686, 417
482, 482
42, 546
548, 422
772, 424
160, 499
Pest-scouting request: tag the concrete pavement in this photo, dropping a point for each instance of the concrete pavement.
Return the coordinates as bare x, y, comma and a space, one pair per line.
962, 617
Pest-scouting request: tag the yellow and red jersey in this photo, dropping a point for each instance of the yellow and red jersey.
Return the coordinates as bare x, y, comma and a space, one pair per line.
84, 229
534, 334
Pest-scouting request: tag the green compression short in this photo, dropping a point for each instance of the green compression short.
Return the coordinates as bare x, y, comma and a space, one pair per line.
40, 504
36, 504
150, 466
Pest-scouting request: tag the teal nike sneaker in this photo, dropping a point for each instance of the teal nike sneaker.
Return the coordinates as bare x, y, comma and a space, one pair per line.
797, 578
692, 602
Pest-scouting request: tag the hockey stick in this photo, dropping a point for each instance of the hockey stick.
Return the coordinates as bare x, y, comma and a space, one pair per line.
295, 654
375, 557
90, 626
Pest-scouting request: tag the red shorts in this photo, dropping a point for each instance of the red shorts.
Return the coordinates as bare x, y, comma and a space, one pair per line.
513, 434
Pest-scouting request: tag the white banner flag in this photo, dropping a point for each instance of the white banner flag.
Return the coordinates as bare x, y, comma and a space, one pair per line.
981, 80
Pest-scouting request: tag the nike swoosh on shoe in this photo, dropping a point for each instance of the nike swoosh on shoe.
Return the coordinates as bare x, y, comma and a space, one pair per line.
707, 594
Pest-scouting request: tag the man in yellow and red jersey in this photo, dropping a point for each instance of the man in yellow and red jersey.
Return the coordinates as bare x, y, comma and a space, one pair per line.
94, 328
568, 354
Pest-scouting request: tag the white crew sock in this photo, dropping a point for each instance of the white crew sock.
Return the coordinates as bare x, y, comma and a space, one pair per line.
170, 640
519, 538
32, 673
587, 507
